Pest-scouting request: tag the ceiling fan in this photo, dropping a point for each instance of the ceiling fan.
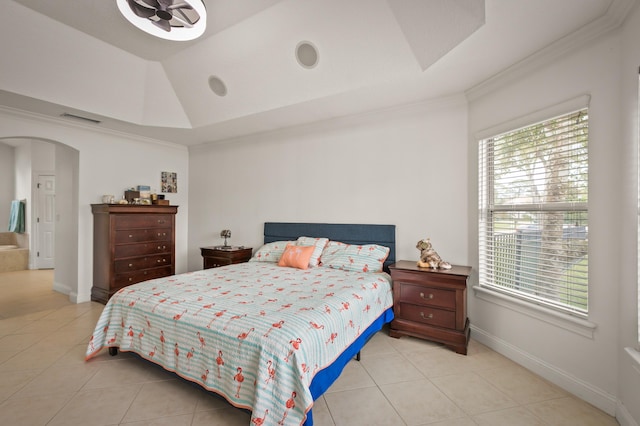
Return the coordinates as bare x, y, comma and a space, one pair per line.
165, 18
165, 13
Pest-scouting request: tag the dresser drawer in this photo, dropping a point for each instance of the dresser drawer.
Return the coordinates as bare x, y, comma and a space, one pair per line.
427, 296
131, 250
428, 316
132, 221
128, 278
142, 235
145, 262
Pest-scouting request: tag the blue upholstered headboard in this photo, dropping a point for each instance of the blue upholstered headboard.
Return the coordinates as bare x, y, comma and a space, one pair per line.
360, 234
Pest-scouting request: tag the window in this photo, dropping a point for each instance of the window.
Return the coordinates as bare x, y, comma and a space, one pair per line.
533, 230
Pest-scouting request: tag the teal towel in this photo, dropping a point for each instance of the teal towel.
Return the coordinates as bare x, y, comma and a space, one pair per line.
16, 218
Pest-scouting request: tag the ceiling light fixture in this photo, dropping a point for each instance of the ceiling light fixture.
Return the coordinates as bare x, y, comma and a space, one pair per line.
179, 20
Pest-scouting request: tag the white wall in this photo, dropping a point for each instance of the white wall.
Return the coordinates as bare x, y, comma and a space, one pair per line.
22, 188
629, 368
6, 184
67, 161
405, 166
108, 163
588, 366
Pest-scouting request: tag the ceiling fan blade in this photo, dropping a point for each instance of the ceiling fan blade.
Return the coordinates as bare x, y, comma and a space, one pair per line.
180, 21
182, 5
151, 3
163, 24
141, 11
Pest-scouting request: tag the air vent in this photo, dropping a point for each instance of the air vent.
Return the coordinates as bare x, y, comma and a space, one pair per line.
77, 117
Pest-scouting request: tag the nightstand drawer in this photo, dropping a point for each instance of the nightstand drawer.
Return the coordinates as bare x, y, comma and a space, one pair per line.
214, 257
427, 296
430, 316
431, 304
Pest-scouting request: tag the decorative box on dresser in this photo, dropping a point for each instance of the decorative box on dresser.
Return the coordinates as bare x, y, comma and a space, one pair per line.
431, 304
216, 256
131, 243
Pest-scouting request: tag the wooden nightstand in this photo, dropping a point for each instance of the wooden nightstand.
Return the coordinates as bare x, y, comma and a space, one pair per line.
215, 256
431, 304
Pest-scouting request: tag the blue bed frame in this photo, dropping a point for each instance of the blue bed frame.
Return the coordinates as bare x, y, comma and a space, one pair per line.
360, 234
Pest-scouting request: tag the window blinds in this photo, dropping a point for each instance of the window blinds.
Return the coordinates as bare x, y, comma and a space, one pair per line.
533, 213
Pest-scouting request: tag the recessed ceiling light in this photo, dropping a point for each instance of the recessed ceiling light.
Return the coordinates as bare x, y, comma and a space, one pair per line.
179, 20
217, 86
307, 54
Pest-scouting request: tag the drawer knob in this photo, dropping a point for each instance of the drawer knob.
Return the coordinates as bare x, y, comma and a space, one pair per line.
130, 279
131, 265
130, 236
427, 297
426, 317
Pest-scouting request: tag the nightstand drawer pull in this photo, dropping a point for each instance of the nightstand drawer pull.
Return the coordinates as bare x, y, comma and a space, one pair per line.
428, 297
427, 317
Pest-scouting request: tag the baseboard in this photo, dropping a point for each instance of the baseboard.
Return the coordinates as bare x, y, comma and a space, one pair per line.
624, 417
61, 288
583, 390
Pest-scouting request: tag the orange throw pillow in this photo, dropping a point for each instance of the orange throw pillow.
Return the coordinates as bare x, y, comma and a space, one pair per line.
296, 256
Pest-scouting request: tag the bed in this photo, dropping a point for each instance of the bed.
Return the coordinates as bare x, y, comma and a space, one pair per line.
269, 336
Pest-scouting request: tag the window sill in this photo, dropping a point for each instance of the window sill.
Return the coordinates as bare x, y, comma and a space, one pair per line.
576, 325
635, 357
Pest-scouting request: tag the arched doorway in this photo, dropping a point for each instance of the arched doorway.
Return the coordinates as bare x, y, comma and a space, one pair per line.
35, 160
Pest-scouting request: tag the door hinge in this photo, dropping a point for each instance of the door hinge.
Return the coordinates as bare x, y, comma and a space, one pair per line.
38, 254
38, 186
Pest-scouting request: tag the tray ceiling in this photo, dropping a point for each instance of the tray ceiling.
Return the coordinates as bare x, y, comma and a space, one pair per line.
82, 57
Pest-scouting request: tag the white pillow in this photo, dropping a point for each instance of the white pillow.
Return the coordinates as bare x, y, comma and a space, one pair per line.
319, 244
270, 252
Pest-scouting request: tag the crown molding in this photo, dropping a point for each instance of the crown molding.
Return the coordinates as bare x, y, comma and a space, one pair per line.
610, 20
78, 125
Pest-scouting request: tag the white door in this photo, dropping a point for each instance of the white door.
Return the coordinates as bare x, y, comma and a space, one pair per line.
45, 222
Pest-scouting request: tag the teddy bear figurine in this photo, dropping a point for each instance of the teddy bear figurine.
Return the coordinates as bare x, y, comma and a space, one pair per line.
429, 258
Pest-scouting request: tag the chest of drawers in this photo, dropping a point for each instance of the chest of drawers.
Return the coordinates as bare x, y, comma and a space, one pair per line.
215, 256
431, 304
131, 243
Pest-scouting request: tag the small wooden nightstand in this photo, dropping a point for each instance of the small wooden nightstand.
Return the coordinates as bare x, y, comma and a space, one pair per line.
215, 256
431, 304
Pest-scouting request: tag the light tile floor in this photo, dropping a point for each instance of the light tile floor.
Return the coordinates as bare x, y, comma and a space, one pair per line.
44, 379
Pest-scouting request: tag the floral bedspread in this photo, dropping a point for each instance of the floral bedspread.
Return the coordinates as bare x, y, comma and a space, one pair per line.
255, 333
